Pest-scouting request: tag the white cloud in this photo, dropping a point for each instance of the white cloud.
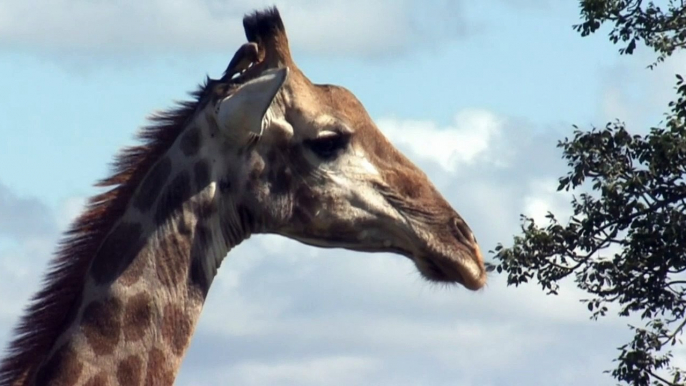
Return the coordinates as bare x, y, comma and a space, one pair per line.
471, 136
638, 96
22, 218
357, 27
615, 105
317, 371
70, 210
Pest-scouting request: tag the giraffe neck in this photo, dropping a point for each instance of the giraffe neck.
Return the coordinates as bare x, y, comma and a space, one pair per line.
147, 284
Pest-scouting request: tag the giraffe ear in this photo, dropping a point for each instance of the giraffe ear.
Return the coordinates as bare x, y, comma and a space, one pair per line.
244, 113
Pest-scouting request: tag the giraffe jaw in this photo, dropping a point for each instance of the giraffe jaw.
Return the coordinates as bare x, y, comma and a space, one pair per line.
433, 266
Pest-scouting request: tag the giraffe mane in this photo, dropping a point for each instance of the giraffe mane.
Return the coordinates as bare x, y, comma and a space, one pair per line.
62, 286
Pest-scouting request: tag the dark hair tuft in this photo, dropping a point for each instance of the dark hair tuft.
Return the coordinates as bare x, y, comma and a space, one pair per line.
261, 25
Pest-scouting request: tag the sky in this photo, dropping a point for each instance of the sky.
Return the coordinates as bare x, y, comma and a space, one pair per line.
477, 94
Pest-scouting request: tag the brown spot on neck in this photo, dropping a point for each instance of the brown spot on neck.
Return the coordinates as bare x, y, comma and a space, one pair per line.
101, 325
134, 271
152, 185
190, 142
137, 317
117, 252
130, 371
171, 201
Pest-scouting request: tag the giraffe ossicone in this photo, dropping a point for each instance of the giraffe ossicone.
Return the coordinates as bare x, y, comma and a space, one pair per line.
260, 150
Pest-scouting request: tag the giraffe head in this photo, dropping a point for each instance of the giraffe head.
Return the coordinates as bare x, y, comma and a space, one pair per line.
309, 163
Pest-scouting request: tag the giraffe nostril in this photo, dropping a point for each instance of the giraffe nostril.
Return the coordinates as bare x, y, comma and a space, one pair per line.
461, 231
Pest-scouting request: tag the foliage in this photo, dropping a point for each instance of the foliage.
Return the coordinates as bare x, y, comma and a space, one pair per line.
660, 28
625, 243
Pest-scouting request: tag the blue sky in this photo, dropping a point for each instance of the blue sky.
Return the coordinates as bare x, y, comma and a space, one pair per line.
476, 93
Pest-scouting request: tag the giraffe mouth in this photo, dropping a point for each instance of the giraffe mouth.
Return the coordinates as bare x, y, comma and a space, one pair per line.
446, 270
450, 260
431, 271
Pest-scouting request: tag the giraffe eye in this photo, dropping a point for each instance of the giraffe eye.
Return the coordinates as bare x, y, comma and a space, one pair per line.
328, 146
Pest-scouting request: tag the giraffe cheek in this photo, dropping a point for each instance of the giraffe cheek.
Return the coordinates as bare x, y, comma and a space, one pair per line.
281, 180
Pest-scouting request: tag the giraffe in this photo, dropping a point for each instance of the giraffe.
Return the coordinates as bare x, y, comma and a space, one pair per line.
263, 150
